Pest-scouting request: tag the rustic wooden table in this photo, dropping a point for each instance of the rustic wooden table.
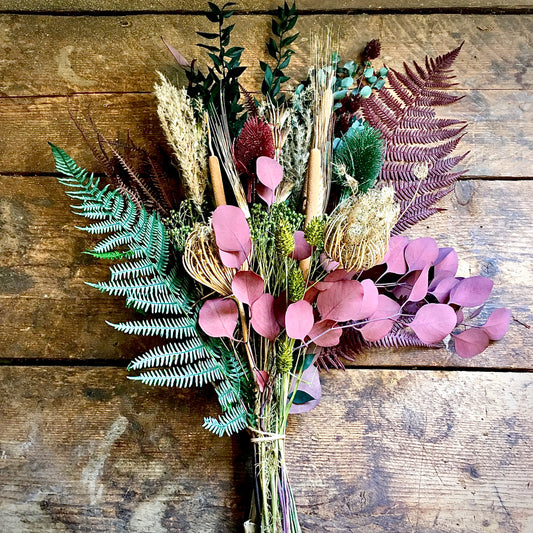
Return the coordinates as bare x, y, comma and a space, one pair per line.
404, 441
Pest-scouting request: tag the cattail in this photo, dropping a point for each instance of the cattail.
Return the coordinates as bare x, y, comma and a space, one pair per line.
358, 231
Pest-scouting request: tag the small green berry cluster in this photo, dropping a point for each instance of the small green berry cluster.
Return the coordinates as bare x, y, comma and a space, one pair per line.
314, 232
296, 285
284, 357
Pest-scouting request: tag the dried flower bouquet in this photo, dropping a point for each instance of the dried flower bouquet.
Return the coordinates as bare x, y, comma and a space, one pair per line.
278, 250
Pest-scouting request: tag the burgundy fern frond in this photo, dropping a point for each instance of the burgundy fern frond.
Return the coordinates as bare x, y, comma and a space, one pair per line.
249, 102
405, 115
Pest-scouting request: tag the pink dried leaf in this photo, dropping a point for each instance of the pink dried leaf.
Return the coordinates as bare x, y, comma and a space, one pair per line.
232, 259
370, 298
341, 301
263, 317
299, 319
381, 321
280, 308
218, 317
328, 264
247, 286
261, 378
182, 62
446, 264
395, 258
443, 288
433, 322
471, 292
310, 384
269, 172
420, 286
470, 342
420, 253
323, 335
497, 324
266, 194
302, 249
232, 233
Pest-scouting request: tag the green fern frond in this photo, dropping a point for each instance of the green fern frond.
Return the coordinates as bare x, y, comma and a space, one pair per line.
150, 285
172, 354
235, 420
197, 374
170, 328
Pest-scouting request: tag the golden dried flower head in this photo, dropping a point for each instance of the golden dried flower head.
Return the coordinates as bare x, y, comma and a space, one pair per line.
358, 231
202, 261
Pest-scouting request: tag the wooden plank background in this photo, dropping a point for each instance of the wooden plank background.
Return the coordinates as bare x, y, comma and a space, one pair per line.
403, 441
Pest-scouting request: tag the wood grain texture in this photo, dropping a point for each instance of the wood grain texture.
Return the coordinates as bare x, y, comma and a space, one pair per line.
386, 451
76, 6
500, 134
48, 311
60, 55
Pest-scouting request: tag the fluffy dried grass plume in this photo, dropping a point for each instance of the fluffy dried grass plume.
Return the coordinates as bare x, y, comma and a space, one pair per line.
186, 135
202, 261
358, 231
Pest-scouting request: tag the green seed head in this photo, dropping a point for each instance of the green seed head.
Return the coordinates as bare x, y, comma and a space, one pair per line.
284, 359
296, 285
284, 238
314, 232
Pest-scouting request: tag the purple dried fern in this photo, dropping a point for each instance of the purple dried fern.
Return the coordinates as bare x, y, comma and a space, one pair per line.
405, 116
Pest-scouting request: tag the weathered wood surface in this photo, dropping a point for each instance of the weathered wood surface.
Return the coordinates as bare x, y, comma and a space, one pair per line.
49, 312
61, 55
386, 451
191, 6
500, 134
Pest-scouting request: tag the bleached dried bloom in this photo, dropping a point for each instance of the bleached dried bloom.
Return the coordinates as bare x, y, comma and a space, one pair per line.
421, 170
186, 135
358, 231
202, 261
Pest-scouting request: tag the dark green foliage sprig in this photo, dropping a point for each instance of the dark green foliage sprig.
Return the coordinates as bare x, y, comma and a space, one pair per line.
152, 282
222, 78
279, 49
359, 154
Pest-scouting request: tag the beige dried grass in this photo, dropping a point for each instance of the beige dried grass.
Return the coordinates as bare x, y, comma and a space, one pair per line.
186, 135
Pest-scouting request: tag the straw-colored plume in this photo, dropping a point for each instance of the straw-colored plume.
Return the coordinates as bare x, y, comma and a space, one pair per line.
358, 231
202, 261
186, 135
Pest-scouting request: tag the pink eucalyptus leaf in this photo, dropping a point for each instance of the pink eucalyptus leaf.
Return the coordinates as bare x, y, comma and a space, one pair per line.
263, 317
311, 293
261, 377
323, 335
405, 286
266, 194
433, 322
309, 384
302, 249
269, 172
497, 324
394, 258
341, 302
421, 253
218, 317
339, 275
299, 319
232, 233
443, 289
247, 286
370, 298
460, 316
232, 259
420, 286
328, 264
381, 321
471, 292
446, 264
280, 308
470, 342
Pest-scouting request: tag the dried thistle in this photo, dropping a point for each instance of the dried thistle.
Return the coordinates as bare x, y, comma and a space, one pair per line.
185, 134
202, 261
357, 232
